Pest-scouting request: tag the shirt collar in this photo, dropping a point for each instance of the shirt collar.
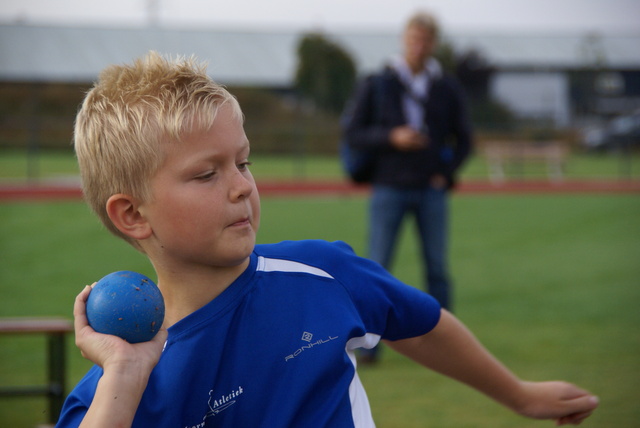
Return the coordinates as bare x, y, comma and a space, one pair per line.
432, 69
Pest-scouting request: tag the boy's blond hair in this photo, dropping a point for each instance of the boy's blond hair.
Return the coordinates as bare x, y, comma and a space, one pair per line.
424, 20
130, 115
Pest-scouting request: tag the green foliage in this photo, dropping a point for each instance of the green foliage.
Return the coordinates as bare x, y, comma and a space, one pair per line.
326, 72
38, 113
474, 73
491, 115
446, 55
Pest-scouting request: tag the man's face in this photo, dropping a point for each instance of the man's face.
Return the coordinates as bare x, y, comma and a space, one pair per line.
205, 208
419, 44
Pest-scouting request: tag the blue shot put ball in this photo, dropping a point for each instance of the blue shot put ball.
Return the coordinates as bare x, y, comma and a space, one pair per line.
126, 304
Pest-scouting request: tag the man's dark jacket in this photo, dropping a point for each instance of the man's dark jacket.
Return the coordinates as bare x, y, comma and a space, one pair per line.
376, 108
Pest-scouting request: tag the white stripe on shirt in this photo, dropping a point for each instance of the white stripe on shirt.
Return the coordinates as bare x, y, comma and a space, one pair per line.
279, 265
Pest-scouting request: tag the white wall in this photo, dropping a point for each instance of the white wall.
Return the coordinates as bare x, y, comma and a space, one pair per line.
535, 95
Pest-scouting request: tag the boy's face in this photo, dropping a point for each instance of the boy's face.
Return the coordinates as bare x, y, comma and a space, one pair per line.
205, 209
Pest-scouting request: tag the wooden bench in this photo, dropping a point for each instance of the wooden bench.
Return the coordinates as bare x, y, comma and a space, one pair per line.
55, 329
518, 153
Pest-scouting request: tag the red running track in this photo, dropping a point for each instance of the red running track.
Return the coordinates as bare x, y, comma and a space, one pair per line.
17, 192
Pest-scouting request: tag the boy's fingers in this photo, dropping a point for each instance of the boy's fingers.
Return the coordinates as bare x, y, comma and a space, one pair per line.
81, 299
575, 419
584, 407
586, 403
79, 309
161, 335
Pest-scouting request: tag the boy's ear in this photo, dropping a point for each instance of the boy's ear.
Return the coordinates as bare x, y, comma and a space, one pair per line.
123, 210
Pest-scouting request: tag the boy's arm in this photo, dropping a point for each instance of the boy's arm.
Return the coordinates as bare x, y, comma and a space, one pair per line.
126, 369
452, 350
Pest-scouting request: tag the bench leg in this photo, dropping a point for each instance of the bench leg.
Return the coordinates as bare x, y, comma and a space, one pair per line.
56, 369
496, 170
555, 169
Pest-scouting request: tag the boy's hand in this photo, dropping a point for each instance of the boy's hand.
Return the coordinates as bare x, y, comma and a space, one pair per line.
109, 351
452, 350
126, 368
564, 402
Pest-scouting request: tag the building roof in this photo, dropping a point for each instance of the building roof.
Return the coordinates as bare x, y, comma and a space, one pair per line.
70, 54
559, 51
78, 54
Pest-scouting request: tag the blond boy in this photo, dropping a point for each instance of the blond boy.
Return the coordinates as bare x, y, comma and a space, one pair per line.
255, 335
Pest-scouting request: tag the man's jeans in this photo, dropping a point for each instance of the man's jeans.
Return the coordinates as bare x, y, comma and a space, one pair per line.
429, 207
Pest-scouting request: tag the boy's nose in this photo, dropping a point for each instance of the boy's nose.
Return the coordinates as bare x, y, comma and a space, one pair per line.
241, 186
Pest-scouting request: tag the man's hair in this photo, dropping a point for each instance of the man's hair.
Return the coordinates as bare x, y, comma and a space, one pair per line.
424, 20
129, 117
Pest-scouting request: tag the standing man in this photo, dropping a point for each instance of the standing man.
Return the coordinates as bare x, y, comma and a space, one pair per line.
414, 119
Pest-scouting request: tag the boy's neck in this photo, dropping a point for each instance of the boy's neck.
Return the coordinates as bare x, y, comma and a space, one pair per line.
185, 293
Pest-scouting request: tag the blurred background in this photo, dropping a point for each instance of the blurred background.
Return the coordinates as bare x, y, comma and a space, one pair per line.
554, 73
547, 280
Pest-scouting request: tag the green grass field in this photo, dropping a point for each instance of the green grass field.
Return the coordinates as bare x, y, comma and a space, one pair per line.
549, 283
16, 165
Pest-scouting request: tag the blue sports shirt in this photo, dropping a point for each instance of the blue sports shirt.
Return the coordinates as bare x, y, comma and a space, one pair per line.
276, 348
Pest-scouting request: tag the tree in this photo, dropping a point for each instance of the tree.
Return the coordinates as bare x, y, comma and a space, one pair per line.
446, 55
326, 72
474, 73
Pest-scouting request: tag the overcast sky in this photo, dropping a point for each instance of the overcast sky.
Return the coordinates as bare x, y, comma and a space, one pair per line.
606, 16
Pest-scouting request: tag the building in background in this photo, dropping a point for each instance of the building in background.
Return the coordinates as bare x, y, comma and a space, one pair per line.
564, 79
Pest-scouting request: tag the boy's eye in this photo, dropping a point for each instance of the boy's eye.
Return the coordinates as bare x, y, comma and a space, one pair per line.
206, 176
244, 165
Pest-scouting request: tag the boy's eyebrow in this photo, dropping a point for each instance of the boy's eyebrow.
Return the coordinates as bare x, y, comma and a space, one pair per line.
246, 145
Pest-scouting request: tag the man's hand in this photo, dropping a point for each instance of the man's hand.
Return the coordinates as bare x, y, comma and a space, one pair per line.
405, 138
438, 182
